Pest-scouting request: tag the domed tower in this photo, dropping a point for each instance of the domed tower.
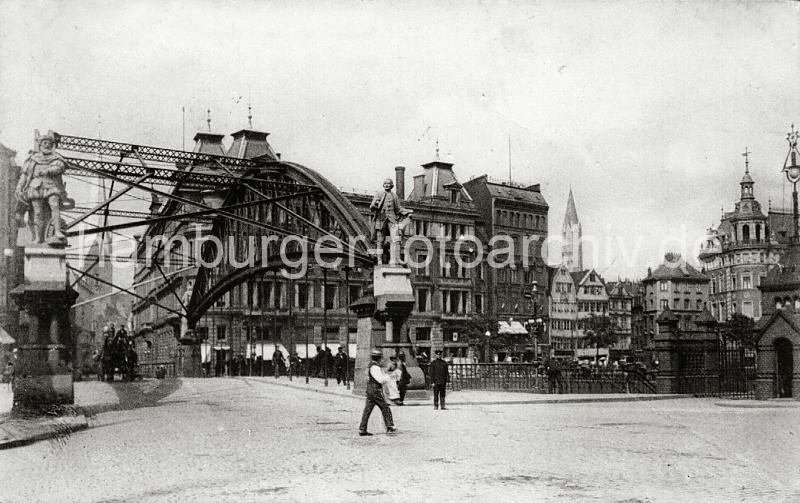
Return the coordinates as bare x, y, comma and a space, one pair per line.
736, 255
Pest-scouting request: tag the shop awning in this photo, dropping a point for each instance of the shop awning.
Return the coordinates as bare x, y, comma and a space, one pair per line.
265, 349
511, 327
5, 338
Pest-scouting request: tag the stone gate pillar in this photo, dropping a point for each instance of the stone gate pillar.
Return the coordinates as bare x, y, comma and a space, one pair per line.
666, 353
43, 371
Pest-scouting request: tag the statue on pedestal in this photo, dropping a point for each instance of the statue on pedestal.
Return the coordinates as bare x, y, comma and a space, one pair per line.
389, 221
40, 193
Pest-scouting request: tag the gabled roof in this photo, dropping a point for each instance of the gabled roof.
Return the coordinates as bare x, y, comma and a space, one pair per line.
667, 316
436, 181
512, 193
580, 276
791, 318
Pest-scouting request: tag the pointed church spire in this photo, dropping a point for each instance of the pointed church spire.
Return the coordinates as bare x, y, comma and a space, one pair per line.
572, 249
571, 216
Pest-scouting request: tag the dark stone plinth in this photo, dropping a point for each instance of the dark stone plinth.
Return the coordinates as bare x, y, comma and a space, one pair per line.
43, 372
43, 376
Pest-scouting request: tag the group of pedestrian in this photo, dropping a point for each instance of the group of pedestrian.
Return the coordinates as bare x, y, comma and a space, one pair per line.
389, 387
118, 355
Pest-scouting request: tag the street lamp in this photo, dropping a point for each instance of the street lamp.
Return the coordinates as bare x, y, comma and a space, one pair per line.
792, 172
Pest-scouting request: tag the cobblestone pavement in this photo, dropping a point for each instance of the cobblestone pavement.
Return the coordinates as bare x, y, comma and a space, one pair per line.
250, 440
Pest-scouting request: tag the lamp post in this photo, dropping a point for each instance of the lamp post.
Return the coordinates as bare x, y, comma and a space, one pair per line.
792, 172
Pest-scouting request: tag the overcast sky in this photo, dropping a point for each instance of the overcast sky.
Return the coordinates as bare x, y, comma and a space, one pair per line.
643, 109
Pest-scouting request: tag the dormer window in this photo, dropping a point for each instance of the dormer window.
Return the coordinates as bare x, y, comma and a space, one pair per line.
454, 196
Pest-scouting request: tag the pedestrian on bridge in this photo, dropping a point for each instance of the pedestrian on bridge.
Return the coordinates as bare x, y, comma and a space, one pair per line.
277, 362
375, 381
439, 376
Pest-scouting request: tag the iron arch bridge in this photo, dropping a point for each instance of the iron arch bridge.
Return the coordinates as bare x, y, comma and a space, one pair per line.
251, 207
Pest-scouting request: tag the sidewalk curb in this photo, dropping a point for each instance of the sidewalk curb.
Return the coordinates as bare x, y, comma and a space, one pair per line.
583, 399
766, 404
20, 432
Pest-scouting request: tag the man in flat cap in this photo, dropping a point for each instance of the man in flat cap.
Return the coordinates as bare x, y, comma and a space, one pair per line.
375, 379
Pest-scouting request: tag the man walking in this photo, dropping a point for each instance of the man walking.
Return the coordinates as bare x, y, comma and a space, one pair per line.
439, 376
341, 364
375, 379
405, 378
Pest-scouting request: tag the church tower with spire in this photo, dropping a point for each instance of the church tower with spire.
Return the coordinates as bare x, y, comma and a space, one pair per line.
572, 249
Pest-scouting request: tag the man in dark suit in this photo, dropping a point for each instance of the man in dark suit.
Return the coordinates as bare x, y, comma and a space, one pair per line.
439, 376
405, 378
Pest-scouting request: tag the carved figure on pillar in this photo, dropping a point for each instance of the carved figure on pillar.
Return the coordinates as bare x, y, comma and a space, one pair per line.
389, 222
40, 193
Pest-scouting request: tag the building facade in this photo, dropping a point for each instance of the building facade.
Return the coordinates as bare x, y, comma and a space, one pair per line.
517, 292
736, 256
10, 265
675, 285
620, 310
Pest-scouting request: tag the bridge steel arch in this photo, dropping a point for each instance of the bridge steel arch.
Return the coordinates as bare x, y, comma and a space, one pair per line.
325, 213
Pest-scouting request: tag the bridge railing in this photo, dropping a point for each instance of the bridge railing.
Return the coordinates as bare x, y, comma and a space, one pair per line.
537, 379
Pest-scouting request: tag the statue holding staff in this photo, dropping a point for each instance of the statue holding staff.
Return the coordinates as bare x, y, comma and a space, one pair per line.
40, 192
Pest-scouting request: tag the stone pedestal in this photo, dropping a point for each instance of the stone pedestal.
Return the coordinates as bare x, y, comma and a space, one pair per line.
381, 325
43, 372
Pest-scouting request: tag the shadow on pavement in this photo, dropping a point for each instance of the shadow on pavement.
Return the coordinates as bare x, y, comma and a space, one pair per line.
135, 395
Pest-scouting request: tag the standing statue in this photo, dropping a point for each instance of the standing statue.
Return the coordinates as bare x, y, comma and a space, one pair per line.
40, 192
389, 221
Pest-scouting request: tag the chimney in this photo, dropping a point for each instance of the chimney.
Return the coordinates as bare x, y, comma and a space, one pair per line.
400, 182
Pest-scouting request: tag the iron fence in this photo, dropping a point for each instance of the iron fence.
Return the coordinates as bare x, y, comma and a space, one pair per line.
537, 379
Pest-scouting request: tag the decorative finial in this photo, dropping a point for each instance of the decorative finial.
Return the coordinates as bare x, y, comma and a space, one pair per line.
437, 149
746, 155
250, 115
208, 119
791, 137
769, 204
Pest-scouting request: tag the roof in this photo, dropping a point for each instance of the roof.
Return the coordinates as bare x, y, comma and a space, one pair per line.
5, 337
786, 274
436, 181
527, 195
705, 318
579, 276
680, 271
248, 144
667, 316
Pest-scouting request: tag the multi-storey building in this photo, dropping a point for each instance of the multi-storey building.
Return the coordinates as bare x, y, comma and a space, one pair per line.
519, 212
563, 311
677, 285
620, 310
9, 265
11, 261
447, 291
736, 256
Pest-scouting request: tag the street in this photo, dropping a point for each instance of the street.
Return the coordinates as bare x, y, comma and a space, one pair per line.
252, 440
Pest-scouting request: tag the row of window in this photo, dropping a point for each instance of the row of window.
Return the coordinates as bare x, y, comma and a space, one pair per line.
676, 304
519, 219
664, 286
442, 230
742, 281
